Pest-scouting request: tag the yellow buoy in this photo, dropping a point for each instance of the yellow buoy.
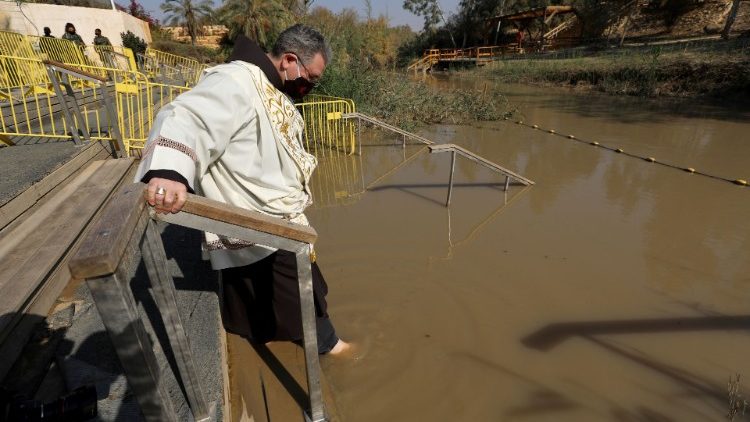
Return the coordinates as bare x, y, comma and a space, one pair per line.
690, 170
596, 144
536, 126
740, 182
552, 131
618, 150
650, 159
571, 137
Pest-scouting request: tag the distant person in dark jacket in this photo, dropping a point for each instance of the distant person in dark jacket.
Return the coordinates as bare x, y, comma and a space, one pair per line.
48, 32
70, 34
100, 39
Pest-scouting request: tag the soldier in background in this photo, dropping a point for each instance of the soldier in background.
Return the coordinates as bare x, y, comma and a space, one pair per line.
70, 34
100, 39
48, 32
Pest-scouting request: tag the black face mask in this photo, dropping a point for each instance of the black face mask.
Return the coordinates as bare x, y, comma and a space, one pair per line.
297, 88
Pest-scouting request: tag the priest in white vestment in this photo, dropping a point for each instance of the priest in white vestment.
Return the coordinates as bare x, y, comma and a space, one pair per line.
236, 137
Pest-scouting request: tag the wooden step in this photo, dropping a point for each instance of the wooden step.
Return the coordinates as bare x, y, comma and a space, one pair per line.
34, 254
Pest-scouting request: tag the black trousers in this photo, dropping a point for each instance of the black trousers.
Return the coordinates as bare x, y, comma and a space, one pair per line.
261, 302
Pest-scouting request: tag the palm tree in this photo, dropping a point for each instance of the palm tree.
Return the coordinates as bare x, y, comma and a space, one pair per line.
186, 13
259, 20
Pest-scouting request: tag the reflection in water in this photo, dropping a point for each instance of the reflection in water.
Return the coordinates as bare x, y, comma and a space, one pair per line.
600, 239
478, 227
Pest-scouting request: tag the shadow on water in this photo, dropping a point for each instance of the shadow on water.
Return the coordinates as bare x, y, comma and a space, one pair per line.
552, 335
282, 374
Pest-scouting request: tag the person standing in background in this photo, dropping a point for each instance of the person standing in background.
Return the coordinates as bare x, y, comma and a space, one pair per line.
100, 39
70, 34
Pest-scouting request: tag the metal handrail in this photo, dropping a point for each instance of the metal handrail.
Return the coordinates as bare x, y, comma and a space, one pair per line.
438, 148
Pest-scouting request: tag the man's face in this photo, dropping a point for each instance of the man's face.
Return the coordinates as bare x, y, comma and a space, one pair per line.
311, 70
300, 76
97, 32
71, 29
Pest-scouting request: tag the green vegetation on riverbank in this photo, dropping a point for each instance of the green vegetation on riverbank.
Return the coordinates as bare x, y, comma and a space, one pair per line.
405, 102
363, 69
723, 70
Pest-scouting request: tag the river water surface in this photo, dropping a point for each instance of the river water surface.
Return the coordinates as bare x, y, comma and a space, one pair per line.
613, 289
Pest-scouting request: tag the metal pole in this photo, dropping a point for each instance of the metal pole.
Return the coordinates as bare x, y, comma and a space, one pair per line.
359, 135
309, 333
507, 182
114, 124
450, 181
64, 104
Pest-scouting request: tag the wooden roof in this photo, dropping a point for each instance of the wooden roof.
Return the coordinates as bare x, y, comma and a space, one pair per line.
538, 12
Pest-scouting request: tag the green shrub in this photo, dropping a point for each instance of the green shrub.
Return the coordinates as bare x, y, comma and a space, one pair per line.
133, 42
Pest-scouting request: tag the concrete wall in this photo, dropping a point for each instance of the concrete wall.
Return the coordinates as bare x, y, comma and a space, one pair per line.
85, 19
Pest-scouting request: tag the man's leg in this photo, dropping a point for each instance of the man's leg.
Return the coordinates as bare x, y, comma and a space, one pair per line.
261, 302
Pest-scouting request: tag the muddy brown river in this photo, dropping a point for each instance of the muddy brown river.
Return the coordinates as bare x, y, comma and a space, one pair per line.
613, 289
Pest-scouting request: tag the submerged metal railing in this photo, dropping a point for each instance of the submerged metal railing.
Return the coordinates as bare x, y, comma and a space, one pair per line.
438, 148
457, 150
107, 259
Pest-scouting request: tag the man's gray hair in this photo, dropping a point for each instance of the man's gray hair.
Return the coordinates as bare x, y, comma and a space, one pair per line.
303, 41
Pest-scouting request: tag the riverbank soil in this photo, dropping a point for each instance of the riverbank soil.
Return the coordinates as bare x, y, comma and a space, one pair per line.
614, 289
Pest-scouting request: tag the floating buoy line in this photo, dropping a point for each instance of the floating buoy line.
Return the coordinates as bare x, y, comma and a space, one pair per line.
691, 170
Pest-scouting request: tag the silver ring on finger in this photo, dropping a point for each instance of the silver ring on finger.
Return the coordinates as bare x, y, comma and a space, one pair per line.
161, 190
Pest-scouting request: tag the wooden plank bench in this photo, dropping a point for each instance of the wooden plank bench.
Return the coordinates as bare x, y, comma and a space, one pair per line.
126, 235
34, 253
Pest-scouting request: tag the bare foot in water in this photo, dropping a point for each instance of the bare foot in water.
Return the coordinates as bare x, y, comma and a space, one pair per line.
342, 348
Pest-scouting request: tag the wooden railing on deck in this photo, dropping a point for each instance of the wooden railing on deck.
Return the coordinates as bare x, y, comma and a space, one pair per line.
106, 261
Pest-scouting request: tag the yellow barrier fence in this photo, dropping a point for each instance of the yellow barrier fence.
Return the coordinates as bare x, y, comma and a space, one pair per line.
14, 44
31, 112
324, 125
113, 57
29, 108
58, 49
176, 66
137, 102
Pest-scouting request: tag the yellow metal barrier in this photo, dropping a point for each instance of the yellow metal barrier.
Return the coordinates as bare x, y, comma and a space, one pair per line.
137, 102
188, 69
113, 57
324, 125
16, 45
58, 49
29, 107
30, 111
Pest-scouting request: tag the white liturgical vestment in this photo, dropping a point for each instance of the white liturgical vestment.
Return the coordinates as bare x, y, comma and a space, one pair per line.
236, 139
